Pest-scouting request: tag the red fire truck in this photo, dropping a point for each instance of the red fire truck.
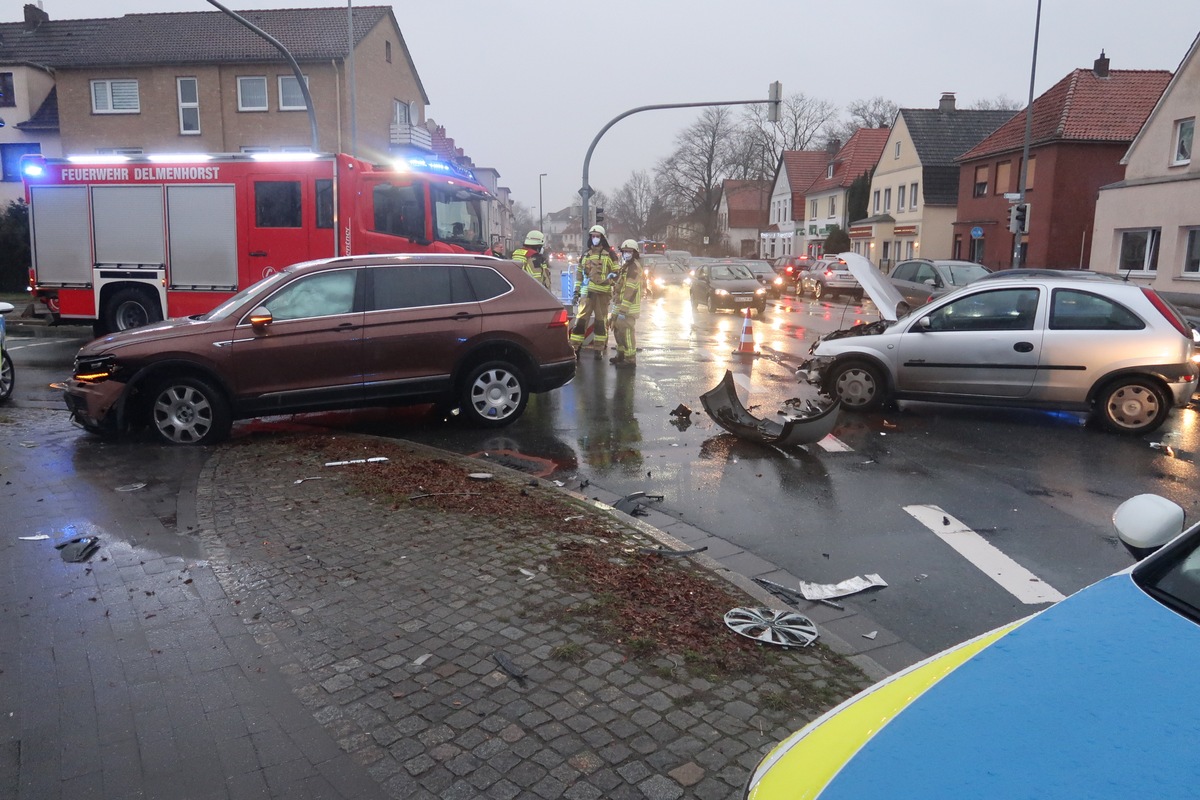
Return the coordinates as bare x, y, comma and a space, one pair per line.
121, 241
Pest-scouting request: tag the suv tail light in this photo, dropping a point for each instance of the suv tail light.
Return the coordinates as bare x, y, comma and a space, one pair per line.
560, 319
1168, 311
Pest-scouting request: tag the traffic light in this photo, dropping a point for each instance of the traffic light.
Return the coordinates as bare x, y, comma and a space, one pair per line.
774, 94
599, 215
1018, 218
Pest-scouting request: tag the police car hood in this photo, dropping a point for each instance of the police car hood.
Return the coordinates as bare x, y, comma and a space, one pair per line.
883, 294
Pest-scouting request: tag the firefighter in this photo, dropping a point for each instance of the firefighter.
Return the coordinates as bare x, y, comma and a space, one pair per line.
598, 265
627, 302
531, 258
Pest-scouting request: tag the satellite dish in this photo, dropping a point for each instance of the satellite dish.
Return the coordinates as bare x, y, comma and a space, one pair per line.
413, 113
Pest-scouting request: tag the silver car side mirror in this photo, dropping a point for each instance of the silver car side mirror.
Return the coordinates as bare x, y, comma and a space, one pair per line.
924, 324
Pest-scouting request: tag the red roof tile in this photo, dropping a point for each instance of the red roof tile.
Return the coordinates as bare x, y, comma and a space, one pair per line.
856, 157
803, 167
1082, 108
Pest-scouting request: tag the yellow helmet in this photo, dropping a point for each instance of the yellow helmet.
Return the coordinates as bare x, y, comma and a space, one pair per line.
630, 244
535, 238
598, 229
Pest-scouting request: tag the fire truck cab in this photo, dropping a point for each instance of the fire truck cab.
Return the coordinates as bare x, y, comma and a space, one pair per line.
121, 241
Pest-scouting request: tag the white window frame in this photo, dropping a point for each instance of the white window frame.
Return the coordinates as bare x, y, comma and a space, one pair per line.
292, 78
900, 198
266, 100
1190, 242
829, 171
107, 87
887, 200
912, 197
832, 206
1178, 158
1153, 244
812, 209
897, 153
875, 203
186, 105
400, 113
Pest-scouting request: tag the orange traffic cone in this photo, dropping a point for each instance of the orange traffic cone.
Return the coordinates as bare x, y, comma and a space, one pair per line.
746, 345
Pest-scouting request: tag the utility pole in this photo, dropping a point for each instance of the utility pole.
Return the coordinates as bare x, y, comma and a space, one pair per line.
1019, 235
775, 92
541, 222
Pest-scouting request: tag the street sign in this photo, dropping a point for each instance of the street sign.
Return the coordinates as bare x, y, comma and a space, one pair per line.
977, 232
706, 240
1012, 197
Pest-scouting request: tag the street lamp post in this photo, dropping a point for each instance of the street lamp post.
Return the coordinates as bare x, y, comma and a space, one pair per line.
541, 224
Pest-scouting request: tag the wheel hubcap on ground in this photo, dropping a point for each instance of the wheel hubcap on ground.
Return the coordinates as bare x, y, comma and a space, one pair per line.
496, 394
183, 414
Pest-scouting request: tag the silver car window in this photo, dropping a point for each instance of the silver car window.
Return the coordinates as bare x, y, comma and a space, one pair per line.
1074, 310
1000, 310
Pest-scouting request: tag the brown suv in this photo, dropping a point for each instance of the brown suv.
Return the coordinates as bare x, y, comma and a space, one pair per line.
469, 331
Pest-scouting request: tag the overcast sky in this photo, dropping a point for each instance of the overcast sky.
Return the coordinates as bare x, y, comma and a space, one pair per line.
524, 85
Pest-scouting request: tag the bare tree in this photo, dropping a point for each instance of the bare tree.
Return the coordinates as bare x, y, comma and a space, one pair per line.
801, 120
638, 208
1000, 102
873, 113
690, 178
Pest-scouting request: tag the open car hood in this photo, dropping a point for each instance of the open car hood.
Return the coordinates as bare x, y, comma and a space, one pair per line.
883, 294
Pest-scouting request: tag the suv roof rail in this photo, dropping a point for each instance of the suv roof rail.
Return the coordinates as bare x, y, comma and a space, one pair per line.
1064, 274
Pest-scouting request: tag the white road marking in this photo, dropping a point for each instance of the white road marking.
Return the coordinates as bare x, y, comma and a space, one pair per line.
1020, 582
832, 444
8, 346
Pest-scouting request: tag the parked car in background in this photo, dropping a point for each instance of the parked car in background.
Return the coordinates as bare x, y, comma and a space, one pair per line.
921, 279
464, 331
8, 375
669, 273
1113, 349
830, 276
793, 269
771, 280
1044, 707
679, 256
727, 285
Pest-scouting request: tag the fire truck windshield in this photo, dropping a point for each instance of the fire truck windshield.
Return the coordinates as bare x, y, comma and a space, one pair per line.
458, 217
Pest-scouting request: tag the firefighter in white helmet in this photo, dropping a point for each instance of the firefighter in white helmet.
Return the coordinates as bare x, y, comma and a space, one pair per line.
598, 265
627, 304
531, 258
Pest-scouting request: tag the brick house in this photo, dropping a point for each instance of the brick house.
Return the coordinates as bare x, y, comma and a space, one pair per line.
742, 215
1082, 127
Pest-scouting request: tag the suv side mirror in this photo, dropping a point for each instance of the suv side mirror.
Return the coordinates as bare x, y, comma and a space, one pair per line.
261, 317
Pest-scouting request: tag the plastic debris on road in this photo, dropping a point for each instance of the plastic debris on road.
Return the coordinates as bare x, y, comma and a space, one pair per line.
824, 591
35, 538
78, 549
766, 625
633, 505
726, 409
302, 480
130, 487
373, 460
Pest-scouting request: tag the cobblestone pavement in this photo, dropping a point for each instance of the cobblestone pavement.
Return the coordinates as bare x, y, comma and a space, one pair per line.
291, 638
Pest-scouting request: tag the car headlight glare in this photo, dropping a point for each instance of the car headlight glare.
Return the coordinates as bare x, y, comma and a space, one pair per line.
721, 292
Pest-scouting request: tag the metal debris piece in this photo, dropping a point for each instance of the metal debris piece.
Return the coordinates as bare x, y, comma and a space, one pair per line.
632, 504
823, 591
870, 635
508, 666
372, 460
559, 484
442, 494
78, 549
681, 411
573, 517
480, 476
302, 480
722, 404
530, 574
662, 551
1166, 448
793, 596
130, 487
783, 628
35, 538
422, 659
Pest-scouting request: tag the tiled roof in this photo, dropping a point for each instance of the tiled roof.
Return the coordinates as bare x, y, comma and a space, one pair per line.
748, 202
939, 136
46, 117
196, 37
804, 167
1082, 108
856, 157
47, 43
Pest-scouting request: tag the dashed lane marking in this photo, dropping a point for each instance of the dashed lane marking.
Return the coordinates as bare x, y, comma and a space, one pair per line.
1018, 581
9, 346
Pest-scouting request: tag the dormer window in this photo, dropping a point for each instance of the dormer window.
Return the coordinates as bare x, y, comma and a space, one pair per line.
829, 171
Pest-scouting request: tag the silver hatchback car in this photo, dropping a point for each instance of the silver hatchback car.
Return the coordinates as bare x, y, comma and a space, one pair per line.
1104, 346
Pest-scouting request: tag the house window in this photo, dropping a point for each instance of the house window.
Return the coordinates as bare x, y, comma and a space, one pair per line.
833, 205
252, 94
912, 197
1003, 177
812, 210
829, 171
189, 105
875, 202
10, 155
1184, 129
1191, 257
8, 95
897, 153
291, 97
887, 201
900, 199
977, 250
981, 182
115, 97
1139, 250
400, 113
387, 52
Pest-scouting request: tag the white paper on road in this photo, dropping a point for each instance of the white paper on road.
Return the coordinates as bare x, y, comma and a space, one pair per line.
825, 591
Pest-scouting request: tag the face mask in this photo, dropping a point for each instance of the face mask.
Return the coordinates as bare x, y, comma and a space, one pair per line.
595, 241
625, 257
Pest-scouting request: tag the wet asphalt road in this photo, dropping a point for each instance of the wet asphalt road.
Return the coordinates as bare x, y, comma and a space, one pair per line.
1039, 488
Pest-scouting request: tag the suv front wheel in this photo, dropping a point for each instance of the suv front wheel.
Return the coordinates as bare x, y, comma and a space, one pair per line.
494, 395
187, 410
1132, 405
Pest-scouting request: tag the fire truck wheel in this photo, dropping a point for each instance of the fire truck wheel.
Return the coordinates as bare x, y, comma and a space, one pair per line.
494, 394
189, 410
131, 308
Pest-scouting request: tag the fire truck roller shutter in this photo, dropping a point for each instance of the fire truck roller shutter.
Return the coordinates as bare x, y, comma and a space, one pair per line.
202, 221
62, 237
128, 224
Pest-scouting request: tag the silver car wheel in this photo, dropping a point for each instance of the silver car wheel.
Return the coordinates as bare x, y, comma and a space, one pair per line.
183, 414
496, 394
1133, 407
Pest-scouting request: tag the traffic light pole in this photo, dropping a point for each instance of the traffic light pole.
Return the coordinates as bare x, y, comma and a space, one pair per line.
585, 191
1018, 236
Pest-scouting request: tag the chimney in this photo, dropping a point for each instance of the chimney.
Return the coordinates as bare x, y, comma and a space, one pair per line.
34, 16
1100, 68
832, 147
947, 102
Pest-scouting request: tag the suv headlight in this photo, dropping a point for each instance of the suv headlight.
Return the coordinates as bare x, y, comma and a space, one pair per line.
94, 369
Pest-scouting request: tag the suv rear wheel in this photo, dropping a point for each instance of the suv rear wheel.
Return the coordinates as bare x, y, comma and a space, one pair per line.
859, 385
494, 394
1132, 405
